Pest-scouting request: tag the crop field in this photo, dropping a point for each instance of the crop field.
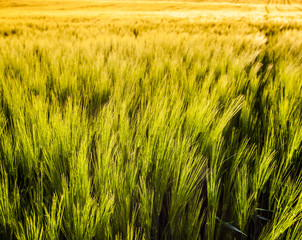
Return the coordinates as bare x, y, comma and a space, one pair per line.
150, 120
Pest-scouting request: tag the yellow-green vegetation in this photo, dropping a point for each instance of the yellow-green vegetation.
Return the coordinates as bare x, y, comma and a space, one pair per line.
149, 126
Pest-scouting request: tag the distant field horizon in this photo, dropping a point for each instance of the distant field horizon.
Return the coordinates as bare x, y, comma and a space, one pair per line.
200, 10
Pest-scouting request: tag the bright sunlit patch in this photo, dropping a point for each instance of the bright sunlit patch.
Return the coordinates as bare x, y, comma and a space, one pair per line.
178, 9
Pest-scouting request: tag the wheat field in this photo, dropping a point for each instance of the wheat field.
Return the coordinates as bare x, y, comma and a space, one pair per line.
150, 120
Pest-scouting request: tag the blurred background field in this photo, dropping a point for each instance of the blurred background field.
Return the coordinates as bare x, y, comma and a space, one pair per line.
197, 9
150, 120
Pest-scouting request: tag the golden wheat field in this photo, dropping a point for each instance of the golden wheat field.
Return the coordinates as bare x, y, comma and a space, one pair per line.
150, 120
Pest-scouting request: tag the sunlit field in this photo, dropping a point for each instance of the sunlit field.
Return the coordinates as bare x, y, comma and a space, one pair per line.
150, 120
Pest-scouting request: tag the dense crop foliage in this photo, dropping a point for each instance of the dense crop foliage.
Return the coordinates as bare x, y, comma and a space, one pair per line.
150, 129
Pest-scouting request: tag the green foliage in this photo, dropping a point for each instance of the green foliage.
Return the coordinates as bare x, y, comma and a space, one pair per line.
116, 130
